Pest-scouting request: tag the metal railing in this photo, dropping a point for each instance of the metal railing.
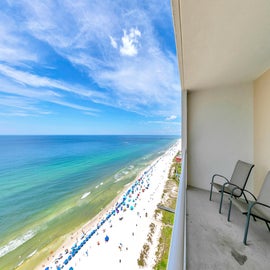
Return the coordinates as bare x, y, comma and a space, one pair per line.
177, 255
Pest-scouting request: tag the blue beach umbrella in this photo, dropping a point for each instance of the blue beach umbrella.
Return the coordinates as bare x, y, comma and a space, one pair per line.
47, 268
66, 261
107, 238
71, 268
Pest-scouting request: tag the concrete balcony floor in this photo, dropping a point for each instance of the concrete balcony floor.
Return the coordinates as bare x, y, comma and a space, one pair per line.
214, 243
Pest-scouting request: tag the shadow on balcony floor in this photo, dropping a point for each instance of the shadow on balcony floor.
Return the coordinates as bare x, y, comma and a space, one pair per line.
214, 243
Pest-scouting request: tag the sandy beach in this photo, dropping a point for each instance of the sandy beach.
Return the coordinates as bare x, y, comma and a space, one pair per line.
114, 239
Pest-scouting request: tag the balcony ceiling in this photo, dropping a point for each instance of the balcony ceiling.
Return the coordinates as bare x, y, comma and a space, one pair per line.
221, 42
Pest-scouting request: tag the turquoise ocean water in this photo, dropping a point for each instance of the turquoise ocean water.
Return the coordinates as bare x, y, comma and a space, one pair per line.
50, 185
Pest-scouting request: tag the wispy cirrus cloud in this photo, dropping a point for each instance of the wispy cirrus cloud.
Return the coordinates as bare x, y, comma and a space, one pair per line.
172, 117
31, 102
113, 42
14, 47
26, 78
114, 45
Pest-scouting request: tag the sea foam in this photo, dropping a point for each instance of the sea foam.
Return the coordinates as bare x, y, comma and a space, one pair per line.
85, 195
13, 244
32, 254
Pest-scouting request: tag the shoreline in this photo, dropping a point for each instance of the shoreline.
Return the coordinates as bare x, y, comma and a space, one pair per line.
91, 250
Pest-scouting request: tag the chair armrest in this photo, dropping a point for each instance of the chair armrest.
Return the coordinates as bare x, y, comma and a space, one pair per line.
244, 190
219, 175
253, 196
230, 184
254, 203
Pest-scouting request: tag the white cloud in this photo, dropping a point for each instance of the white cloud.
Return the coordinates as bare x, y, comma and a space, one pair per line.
130, 42
26, 78
113, 42
147, 85
30, 100
78, 32
172, 117
165, 123
20, 106
29, 79
14, 47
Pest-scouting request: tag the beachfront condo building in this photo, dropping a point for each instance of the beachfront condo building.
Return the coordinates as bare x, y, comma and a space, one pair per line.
223, 52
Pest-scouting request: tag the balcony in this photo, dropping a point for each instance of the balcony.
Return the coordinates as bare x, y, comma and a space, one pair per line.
214, 243
224, 65
204, 239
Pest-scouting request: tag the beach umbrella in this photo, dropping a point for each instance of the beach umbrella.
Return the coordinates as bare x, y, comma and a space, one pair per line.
131, 207
66, 261
71, 268
69, 257
47, 268
107, 238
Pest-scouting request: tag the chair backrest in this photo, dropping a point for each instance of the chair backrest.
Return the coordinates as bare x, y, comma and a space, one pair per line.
241, 173
264, 196
265, 190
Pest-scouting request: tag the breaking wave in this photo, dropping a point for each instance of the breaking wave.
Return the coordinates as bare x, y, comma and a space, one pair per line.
13, 244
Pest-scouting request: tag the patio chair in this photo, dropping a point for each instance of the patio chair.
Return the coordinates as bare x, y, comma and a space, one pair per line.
259, 208
236, 184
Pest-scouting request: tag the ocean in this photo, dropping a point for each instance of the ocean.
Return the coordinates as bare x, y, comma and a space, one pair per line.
51, 185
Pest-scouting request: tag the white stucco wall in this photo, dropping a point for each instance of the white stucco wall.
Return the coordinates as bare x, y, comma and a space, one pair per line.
220, 131
261, 129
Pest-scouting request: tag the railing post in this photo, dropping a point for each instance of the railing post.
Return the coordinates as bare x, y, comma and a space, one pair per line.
177, 255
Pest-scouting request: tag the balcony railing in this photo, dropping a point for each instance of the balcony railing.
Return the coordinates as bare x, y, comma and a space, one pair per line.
177, 255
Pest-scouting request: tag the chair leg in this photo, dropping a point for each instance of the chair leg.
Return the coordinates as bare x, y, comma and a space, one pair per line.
221, 200
229, 212
246, 229
211, 189
210, 198
267, 226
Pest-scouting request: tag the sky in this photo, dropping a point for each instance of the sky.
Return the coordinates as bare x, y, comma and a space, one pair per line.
88, 67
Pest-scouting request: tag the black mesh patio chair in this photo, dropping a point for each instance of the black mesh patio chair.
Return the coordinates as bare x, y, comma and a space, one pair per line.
235, 185
259, 208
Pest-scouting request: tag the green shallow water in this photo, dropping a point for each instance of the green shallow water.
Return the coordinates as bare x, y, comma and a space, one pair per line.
64, 218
